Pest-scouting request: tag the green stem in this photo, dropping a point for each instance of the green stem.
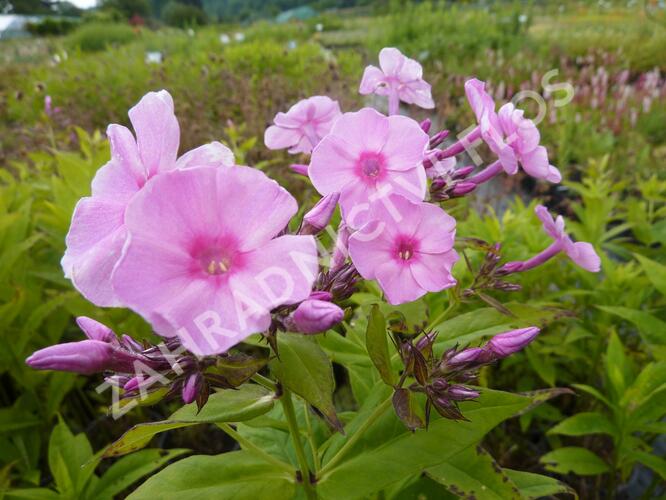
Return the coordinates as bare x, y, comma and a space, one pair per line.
289, 412
355, 437
313, 445
250, 446
265, 381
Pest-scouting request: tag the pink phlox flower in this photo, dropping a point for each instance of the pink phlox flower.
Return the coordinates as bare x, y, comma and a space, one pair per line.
407, 247
580, 252
203, 259
302, 127
399, 75
97, 232
366, 156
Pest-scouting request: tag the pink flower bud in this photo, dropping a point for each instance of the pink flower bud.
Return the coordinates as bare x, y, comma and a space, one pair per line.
321, 295
507, 343
462, 188
191, 388
299, 169
465, 357
438, 138
463, 172
314, 316
340, 252
95, 330
86, 357
426, 124
320, 215
462, 393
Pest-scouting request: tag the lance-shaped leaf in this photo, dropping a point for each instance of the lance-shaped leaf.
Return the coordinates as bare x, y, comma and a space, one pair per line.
230, 405
236, 474
376, 343
535, 486
580, 461
304, 368
474, 473
404, 408
237, 369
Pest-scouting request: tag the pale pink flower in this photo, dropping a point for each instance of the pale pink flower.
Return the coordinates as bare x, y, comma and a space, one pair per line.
366, 156
204, 260
580, 252
302, 127
97, 232
400, 78
511, 136
407, 247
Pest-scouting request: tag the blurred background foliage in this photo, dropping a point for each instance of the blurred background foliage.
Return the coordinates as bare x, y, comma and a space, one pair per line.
230, 68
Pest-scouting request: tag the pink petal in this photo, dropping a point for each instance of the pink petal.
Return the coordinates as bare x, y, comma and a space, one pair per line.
433, 271
390, 60
332, 166
115, 183
535, 163
91, 273
436, 230
364, 130
397, 282
548, 222
370, 247
405, 144
585, 256
125, 151
411, 184
281, 271
157, 131
277, 137
373, 77
553, 174
417, 92
410, 70
213, 154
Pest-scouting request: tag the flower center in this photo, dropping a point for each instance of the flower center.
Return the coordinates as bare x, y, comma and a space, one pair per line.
405, 249
215, 261
371, 165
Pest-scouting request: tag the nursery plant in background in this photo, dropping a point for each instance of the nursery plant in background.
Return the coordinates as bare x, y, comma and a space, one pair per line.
205, 251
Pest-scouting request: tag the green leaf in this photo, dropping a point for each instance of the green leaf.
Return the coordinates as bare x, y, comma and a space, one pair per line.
651, 328
537, 486
616, 365
403, 404
654, 271
33, 494
70, 460
230, 405
377, 344
126, 471
237, 474
592, 391
580, 461
304, 368
474, 473
389, 452
584, 423
654, 462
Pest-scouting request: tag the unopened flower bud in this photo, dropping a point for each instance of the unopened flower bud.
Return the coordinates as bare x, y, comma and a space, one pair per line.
462, 393
314, 316
191, 388
464, 357
299, 169
85, 357
131, 344
320, 215
438, 138
507, 343
509, 268
462, 188
437, 184
425, 125
321, 295
95, 330
462, 172
440, 385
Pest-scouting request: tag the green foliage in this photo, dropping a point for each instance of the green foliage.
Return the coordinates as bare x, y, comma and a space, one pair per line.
94, 37
51, 26
182, 16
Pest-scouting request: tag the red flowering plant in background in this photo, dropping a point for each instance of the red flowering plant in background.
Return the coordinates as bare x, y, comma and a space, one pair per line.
252, 305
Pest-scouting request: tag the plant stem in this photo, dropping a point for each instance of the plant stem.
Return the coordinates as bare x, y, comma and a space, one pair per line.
313, 446
250, 446
353, 439
265, 381
288, 406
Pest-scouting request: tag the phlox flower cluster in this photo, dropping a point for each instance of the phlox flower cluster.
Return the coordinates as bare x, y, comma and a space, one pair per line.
201, 247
